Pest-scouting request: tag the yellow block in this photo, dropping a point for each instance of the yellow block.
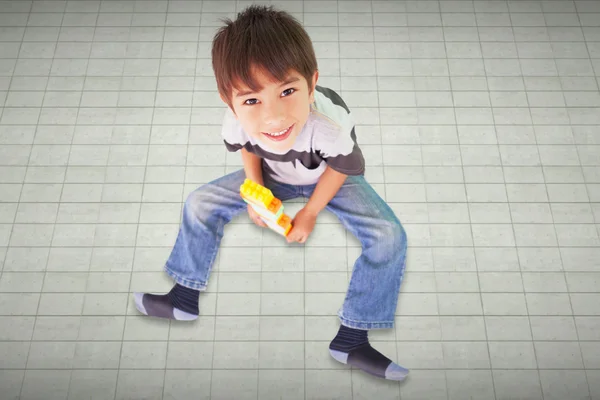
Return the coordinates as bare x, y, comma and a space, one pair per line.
260, 196
285, 223
267, 206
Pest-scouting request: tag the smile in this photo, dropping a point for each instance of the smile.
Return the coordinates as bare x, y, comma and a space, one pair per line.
279, 135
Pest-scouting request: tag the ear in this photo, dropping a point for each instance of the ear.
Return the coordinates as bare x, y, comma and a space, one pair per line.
229, 105
224, 99
315, 78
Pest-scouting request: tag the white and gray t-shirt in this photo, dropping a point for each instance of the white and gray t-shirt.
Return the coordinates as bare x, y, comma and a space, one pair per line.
327, 139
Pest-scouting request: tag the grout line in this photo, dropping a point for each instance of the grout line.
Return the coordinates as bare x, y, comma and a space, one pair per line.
466, 199
349, 269
395, 356
60, 202
129, 291
183, 193
45, 272
331, 247
497, 146
564, 273
315, 340
338, 293
404, 166
217, 258
20, 195
18, 202
304, 326
216, 293
525, 292
342, 292
260, 287
347, 246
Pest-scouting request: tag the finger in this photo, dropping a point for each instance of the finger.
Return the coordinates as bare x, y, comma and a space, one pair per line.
260, 222
298, 237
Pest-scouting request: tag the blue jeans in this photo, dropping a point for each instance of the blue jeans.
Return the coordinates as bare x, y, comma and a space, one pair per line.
372, 294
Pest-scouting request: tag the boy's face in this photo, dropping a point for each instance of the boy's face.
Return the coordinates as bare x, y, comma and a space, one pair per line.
275, 115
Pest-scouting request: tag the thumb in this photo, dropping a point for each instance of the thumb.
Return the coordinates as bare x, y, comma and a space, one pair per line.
258, 220
291, 236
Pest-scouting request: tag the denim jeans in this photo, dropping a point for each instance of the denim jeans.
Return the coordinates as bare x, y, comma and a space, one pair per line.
372, 295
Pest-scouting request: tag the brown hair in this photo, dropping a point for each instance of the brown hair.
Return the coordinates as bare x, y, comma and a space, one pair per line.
264, 38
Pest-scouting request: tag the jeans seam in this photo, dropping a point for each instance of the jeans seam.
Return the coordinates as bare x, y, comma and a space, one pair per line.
367, 322
402, 269
200, 285
215, 249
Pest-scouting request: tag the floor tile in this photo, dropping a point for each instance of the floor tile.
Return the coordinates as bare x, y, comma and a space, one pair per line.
479, 123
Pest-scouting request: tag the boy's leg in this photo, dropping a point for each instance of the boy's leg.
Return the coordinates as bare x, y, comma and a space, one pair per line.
205, 213
372, 295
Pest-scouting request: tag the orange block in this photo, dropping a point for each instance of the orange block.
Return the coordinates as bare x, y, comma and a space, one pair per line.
267, 206
285, 222
259, 195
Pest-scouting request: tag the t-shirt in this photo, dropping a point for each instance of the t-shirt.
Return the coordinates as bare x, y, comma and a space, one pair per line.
327, 139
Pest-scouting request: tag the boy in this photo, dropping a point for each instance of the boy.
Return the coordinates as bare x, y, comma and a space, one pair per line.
297, 139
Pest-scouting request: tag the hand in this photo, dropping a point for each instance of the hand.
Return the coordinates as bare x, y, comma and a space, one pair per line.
255, 217
302, 225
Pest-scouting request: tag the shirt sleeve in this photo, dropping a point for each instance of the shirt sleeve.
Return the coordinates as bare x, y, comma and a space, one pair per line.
233, 135
334, 136
340, 151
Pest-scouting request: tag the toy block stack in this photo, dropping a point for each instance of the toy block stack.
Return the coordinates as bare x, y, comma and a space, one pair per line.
267, 206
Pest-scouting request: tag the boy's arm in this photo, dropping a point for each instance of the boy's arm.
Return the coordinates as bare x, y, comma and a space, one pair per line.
252, 166
330, 182
326, 189
235, 139
253, 170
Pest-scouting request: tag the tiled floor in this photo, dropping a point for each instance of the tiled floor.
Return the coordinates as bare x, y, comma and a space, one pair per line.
480, 122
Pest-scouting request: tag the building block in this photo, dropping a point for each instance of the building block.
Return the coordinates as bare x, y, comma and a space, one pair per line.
267, 206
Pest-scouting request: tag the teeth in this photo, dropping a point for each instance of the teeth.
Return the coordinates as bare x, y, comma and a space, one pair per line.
279, 133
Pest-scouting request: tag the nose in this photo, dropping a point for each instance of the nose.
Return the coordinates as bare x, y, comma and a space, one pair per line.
274, 114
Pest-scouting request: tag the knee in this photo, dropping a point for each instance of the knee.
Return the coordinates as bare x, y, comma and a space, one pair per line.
393, 236
195, 203
193, 199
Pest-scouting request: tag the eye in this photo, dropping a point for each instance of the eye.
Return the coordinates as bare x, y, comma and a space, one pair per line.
251, 102
289, 91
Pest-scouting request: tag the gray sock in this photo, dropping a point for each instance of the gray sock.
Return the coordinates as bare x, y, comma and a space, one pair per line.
351, 346
371, 361
160, 306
